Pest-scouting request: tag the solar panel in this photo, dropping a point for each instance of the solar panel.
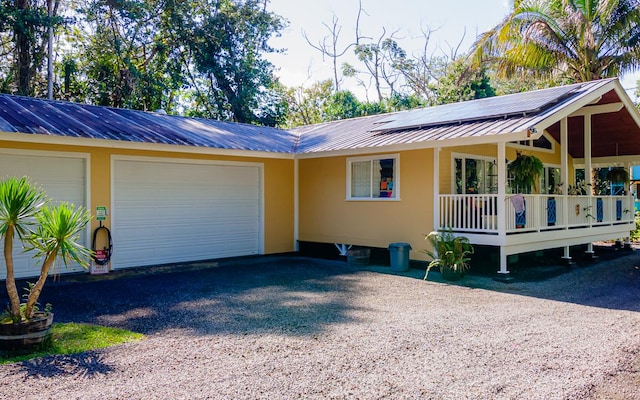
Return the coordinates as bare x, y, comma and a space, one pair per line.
481, 109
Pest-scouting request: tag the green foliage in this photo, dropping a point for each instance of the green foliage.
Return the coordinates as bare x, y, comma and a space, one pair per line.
573, 39
459, 82
449, 251
635, 234
73, 338
20, 201
56, 234
525, 171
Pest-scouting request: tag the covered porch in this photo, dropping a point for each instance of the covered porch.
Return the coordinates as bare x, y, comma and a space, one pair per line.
600, 129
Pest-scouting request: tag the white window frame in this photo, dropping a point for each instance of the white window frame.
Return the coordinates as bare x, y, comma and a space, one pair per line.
396, 177
463, 157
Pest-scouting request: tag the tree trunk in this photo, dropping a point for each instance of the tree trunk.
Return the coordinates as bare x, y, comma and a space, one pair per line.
23, 50
12, 291
37, 288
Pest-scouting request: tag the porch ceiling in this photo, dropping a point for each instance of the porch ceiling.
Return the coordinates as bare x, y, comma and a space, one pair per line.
613, 134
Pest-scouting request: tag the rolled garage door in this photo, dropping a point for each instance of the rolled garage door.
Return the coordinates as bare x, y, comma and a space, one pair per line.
63, 178
167, 211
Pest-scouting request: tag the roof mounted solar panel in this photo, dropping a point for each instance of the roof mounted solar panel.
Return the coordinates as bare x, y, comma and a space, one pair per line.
481, 109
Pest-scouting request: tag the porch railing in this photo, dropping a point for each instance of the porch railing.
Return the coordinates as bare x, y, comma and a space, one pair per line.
479, 212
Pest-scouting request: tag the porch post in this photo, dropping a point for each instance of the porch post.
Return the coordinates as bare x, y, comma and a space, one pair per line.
436, 188
502, 194
564, 157
628, 193
588, 174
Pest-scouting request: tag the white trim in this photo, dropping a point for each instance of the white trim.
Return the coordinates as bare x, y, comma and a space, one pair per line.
464, 156
600, 109
531, 147
396, 177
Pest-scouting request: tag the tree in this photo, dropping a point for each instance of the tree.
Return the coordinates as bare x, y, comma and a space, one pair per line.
226, 40
23, 41
571, 39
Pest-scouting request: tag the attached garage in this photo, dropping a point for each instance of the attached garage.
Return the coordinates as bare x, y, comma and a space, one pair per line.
63, 176
175, 210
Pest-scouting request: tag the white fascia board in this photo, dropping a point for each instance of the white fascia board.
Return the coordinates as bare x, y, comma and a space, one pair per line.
117, 144
429, 144
575, 105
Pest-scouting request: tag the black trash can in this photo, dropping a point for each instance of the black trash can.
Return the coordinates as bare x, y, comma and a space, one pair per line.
399, 256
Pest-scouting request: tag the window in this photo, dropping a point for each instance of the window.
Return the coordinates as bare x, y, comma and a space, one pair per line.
543, 142
551, 181
475, 175
373, 177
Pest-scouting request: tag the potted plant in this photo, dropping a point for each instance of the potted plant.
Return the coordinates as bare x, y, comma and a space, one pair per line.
618, 175
450, 253
50, 231
525, 171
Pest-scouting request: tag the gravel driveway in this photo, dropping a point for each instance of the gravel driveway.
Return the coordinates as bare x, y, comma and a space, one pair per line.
283, 328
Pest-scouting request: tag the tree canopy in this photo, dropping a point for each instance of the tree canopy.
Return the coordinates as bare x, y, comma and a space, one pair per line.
576, 40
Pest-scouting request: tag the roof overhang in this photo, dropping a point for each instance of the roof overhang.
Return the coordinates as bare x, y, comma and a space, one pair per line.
141, 146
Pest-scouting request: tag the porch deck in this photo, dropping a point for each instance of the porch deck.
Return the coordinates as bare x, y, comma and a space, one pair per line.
547, 221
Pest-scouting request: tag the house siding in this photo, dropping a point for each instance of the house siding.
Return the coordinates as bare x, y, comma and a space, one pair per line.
278, 185
327, 217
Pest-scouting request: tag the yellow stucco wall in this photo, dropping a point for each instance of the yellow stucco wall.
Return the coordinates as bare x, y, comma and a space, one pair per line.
327, 217
278, 185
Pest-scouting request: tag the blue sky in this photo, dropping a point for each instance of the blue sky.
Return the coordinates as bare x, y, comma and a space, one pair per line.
303, 65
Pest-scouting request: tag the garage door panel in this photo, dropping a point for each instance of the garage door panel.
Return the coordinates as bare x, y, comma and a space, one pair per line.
174, 212
63, 179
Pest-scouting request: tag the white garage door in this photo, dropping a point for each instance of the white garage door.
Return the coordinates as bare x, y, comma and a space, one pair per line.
63, 179
168, 211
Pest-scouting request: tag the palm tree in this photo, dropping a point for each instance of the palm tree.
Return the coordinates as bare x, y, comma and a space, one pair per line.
19, 203
576, 40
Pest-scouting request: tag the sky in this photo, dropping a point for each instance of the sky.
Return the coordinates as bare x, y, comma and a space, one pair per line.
303, 65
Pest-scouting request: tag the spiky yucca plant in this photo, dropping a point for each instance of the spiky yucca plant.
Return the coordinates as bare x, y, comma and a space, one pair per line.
52, 231
19, 203
57, 235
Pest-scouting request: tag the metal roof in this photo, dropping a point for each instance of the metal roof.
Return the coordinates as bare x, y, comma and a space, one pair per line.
429, 125
479, 120
66, 119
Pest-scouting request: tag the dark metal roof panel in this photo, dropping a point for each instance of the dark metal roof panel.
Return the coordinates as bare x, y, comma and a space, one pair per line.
482, 109
57, 118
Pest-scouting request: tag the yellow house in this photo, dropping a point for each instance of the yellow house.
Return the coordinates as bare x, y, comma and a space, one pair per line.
448, 166
183, 189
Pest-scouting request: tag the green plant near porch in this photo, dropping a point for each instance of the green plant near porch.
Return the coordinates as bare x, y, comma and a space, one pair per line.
525, 172
450, 253
52, 231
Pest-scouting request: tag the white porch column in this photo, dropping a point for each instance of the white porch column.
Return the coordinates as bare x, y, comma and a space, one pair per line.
564, 160
436, 188
588, 173
501, 209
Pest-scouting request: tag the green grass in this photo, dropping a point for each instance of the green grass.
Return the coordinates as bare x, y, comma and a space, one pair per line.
72, 338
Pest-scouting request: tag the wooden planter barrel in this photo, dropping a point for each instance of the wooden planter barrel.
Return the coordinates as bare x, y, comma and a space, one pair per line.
27, 334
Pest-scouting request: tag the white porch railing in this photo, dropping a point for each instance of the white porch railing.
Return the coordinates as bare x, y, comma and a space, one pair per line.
478, 213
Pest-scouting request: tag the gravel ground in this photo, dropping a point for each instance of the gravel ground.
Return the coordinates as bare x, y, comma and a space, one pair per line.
282, 328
